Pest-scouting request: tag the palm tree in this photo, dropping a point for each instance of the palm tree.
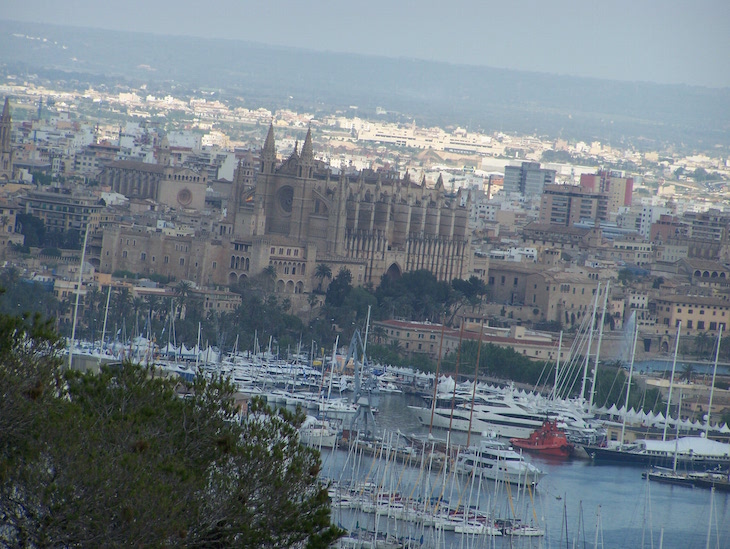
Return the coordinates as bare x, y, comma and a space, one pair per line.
702, 343
121, 303
321, 272
182, 290
688, 372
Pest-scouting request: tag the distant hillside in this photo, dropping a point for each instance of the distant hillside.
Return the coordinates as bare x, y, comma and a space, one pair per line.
645, 115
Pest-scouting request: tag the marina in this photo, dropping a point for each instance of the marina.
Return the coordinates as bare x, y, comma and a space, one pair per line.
565, 503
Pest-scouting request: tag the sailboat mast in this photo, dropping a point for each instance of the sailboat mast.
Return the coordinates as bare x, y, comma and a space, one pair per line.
628, 383
598, 347
712, 385
78, 294
709, 523
590, 343
436, 376
557, 365
676, 437
456, 376
671, 381
106, 315
474, 389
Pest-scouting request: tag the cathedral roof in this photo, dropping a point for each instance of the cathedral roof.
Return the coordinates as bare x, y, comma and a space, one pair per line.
138, 166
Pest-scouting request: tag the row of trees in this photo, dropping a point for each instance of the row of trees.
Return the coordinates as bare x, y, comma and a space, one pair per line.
120, 459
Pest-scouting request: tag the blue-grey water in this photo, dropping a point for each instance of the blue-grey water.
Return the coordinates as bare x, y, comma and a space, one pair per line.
567, 502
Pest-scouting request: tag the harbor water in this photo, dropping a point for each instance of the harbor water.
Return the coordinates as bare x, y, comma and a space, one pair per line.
576, 503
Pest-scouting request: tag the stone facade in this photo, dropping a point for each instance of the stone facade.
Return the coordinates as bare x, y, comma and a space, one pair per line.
297, 215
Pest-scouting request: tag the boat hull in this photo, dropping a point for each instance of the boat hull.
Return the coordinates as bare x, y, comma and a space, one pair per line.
600, 454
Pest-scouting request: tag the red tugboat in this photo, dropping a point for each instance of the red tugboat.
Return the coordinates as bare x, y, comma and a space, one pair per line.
548, 439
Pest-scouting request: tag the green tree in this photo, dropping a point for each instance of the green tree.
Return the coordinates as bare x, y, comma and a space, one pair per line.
339, 288
118, 459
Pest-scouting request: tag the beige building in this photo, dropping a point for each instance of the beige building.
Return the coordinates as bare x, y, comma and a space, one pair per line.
563, 297
631, 250
697, 314
424, 337
507, 281
63, 210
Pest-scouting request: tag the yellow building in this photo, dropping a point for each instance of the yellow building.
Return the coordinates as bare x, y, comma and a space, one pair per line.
425, 337
697, 314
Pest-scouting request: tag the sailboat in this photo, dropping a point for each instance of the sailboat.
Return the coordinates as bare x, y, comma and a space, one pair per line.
694, 453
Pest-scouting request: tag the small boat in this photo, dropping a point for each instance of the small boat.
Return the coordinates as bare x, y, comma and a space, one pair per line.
548, 439
714, 478
668, 476
514, 527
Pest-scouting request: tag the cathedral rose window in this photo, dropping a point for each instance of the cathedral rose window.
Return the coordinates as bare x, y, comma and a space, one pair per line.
184, 197
285, 197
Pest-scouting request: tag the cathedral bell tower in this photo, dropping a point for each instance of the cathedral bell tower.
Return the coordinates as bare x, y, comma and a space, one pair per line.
268, 153
6, 147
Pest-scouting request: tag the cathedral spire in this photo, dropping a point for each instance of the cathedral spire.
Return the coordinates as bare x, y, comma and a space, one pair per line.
307, 151
270, 144
268, 153
440, 183
306, 159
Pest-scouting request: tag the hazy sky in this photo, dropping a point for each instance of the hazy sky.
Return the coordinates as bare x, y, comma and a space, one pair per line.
668, 41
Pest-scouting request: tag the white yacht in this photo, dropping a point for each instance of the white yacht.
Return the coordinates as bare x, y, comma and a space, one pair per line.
504, 413
317, 433
496, 460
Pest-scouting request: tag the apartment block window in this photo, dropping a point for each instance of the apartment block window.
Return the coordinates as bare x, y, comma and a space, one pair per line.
700, 324
182, 261
689, 324
167, 259
143, 256
124, 253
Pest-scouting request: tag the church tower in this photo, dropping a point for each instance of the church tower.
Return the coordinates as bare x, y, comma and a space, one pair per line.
163, 152
6, 147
